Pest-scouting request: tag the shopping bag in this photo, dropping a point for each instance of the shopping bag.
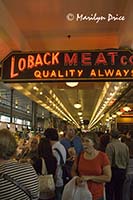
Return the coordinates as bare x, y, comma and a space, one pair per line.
46, 183
73, 192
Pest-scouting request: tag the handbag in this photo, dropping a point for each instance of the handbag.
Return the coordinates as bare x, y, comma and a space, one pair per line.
12, 180
46, 182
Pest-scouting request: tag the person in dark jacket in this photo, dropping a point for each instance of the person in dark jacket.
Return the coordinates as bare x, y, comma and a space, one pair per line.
45, 152
118, 154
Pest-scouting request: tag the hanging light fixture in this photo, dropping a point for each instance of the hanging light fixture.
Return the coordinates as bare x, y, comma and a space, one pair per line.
72, 84
80, 113
119, 113
77, 104
114, 115
28, 108
16, 103
126, 108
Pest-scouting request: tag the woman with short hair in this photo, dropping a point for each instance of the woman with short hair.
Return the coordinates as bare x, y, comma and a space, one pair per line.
17, 180
93, 167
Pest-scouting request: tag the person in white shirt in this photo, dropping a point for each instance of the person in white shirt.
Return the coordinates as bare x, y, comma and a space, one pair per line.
52, 135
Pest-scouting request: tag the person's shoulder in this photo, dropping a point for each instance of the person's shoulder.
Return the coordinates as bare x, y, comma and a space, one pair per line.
21, 167
104, 157
24, 165
124, 145
59, 146
77, 137
102, 154
110, 144
64, 140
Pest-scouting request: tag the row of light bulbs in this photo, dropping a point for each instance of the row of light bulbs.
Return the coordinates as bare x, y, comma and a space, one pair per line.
108, 97
55, 106
118, 113
17, 106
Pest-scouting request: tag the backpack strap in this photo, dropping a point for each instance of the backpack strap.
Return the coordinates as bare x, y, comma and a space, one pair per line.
12, 180
61, 157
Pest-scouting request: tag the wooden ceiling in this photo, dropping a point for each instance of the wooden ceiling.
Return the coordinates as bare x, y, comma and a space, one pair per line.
41, 25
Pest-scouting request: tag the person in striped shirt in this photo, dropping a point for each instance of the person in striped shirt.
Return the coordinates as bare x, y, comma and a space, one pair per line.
23, 173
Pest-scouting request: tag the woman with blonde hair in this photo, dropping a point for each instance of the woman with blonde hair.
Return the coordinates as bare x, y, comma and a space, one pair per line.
17, 180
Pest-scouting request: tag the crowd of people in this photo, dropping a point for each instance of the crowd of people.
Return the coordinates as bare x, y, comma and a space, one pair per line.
102, 160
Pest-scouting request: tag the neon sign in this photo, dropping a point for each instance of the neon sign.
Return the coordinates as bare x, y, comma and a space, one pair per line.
68, 66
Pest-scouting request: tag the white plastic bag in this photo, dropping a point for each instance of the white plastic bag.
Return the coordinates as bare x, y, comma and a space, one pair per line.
74, 192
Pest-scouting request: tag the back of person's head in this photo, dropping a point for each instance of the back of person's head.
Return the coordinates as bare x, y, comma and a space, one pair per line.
8, 144
131, 134
44, 148
99, 133
115, 134
51, 134
33, 143
104, 140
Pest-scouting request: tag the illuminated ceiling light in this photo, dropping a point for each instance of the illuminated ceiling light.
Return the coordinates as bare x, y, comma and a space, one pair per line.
108, 98
51, 92
16, 103
54, 96
107, 120
114, 116
35, 88
18, 87
41, 93
104, 105
126, 108
72, 84
42, 113
116, 88
39, 101
118, 112
77, 105
79, 113
111, 93
28, 108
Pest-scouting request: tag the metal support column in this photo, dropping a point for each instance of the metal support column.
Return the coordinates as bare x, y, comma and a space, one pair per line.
34, 115
11, 107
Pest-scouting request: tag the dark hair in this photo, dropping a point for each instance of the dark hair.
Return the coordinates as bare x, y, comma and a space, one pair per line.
51, 134
93, 136
44, 148
104, 140
115, 134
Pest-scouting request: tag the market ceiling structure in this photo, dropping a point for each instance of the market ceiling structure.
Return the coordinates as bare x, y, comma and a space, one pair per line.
43, 25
